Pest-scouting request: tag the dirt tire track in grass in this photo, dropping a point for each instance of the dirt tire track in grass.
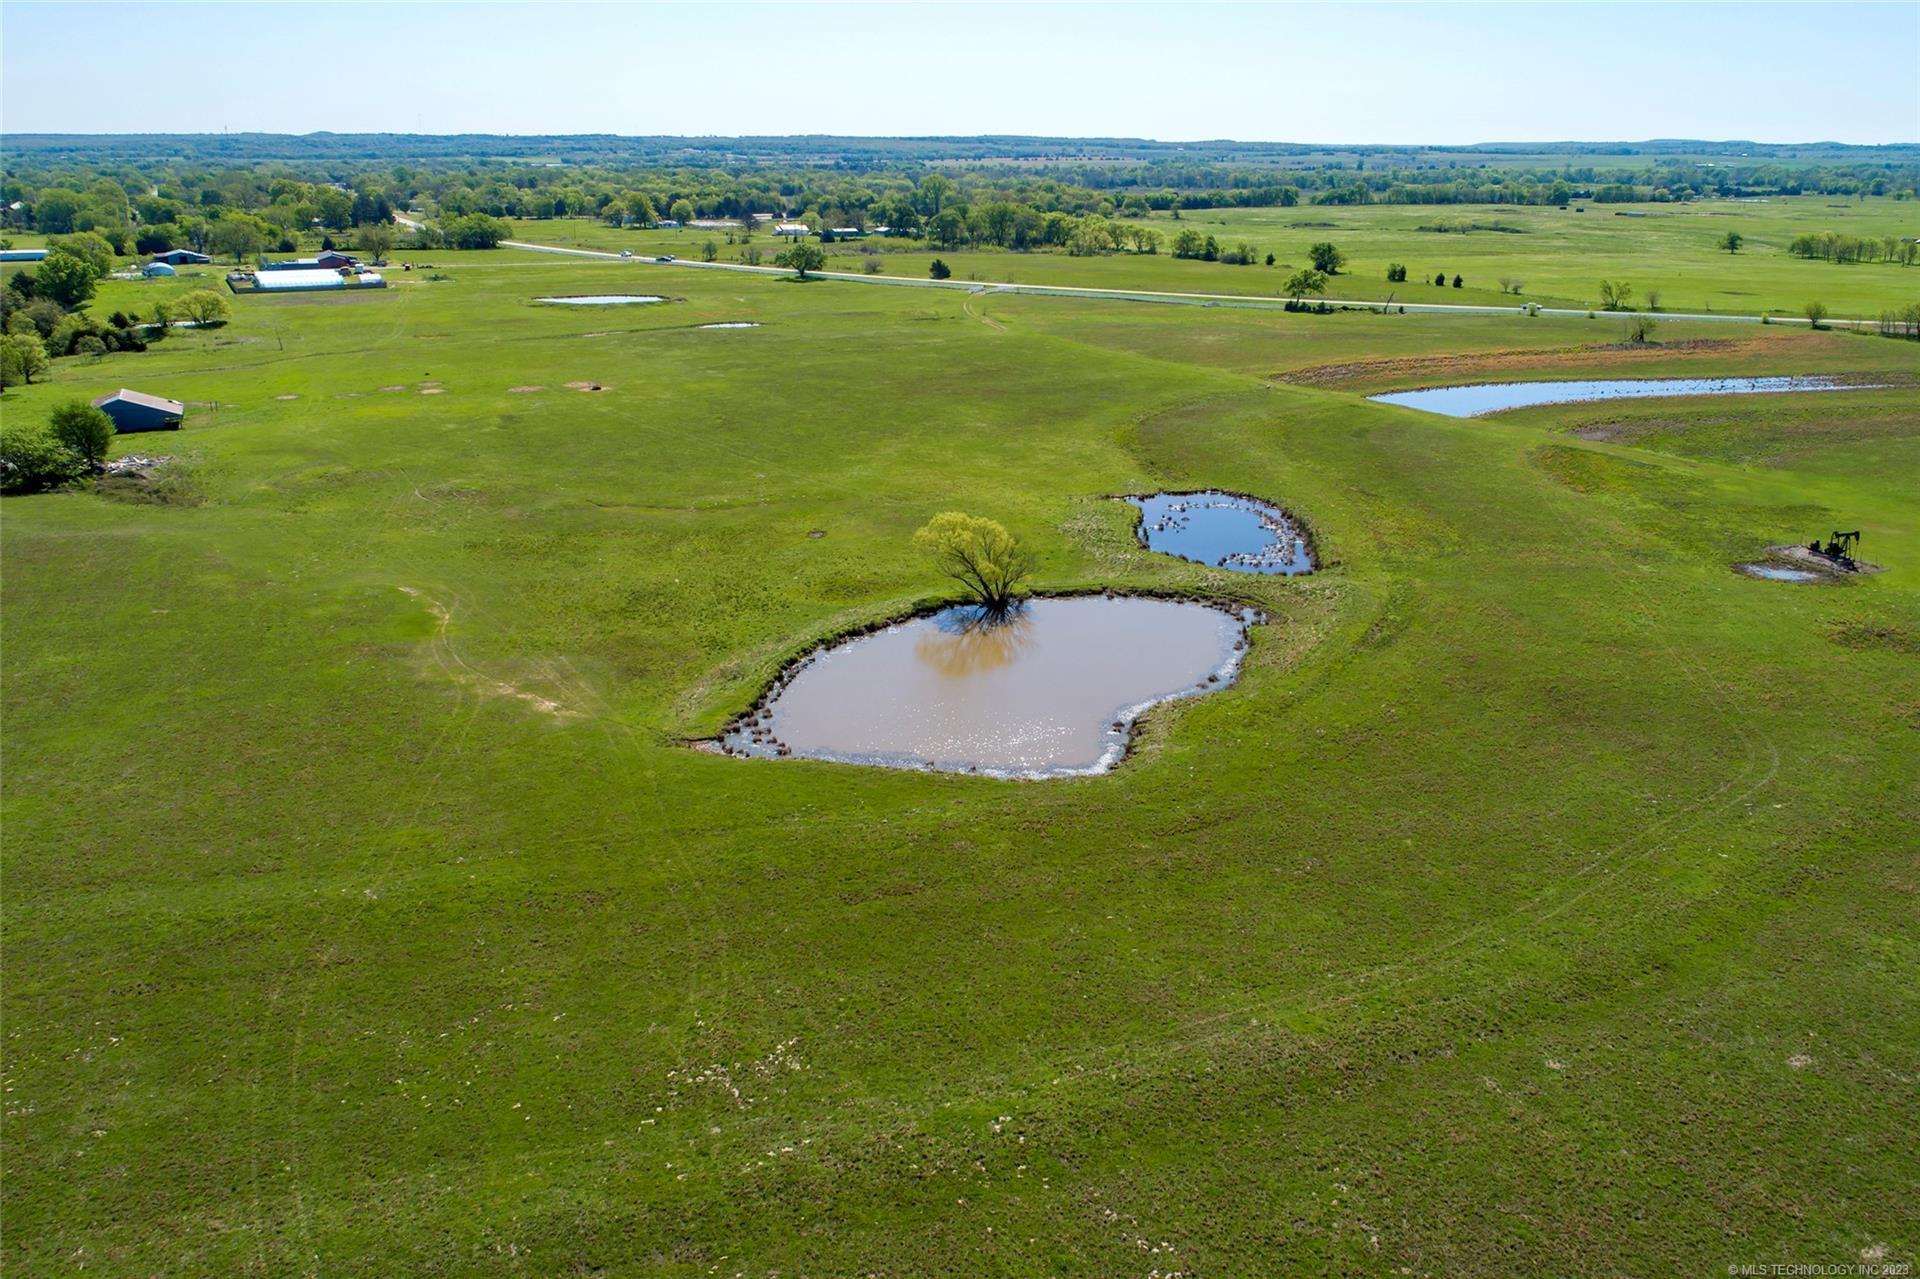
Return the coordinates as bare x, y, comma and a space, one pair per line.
459, 670
981, 316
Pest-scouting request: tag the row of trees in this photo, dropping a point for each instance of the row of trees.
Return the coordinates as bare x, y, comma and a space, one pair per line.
59, 196
1830, 246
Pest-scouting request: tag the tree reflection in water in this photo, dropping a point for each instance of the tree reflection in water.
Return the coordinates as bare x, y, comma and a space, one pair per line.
971, 641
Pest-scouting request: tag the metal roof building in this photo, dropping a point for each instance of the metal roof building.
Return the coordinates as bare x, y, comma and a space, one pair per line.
314, 279
137, 411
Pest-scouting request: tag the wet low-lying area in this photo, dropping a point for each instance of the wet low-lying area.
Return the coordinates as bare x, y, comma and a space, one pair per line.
1226, 530
1050, 690
1777, 573
1496, 397
604, 299
732, 324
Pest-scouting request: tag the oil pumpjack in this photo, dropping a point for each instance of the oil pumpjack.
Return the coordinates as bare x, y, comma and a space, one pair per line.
1839, 548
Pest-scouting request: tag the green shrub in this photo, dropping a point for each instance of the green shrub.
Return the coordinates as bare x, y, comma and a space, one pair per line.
23, 356
65, 277
82, 430
32, 460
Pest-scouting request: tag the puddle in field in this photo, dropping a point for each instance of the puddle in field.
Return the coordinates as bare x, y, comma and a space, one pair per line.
733, 324
1224, 530
1495, 397
1051, 691
1777, 572
604, 299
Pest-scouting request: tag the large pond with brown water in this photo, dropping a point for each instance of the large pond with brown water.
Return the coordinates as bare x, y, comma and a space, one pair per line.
1053, 690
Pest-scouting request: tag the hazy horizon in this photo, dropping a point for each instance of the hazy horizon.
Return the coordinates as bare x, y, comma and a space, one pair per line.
1316, 74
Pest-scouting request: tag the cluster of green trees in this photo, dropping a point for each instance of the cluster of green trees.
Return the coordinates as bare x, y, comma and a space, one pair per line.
226, 211
43, 313
1902, 322
1830, 246
72, 444
468, 231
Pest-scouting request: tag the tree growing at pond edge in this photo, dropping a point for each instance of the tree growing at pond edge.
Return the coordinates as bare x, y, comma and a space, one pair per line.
987, 561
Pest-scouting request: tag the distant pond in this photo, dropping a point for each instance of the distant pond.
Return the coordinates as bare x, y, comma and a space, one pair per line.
604, 299
1496, 397
1051, 691
1777, 573
1225, 530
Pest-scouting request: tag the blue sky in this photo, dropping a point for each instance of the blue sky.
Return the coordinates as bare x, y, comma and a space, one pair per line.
1438, 73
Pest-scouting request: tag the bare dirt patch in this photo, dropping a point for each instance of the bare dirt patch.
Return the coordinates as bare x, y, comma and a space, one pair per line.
286, 397
433, 390
1861, 636
1495, 366
584, 386
524, 390
1801, 557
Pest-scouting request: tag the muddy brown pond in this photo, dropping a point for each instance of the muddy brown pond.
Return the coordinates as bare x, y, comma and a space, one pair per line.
1051, 691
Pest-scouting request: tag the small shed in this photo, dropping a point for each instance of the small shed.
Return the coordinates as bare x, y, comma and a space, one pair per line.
152, 269
182, 257
137, 411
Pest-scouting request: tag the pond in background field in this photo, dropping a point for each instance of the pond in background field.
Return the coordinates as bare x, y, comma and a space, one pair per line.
1495, 397
1051, 691
1224, 530
1777, 572
604, 299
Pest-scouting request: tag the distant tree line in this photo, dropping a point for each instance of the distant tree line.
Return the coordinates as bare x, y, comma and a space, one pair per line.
1830, 246
165, 201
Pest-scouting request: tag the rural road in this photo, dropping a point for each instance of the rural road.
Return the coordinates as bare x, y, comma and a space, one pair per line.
1147, 295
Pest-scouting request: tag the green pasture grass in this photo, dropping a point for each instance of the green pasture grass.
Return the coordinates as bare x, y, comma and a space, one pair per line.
1559, 255
1538, 901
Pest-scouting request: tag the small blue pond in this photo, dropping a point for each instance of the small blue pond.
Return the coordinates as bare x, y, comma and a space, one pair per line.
1224, 530
1777, 573
1495, 397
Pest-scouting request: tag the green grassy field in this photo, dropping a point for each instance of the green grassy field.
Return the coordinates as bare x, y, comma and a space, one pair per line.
1558, 255
1540, 901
